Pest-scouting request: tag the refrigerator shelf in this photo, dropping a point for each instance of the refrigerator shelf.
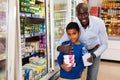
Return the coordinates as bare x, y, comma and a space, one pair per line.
31, 15
28, 54
2, 35
2, 76
2, 57
60, 19
32, 35
58, 11
31, 20
39, 1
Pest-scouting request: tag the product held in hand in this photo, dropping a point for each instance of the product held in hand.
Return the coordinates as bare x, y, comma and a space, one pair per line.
69, 59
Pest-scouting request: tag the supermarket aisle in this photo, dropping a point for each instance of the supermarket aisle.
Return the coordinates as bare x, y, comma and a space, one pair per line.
107, 71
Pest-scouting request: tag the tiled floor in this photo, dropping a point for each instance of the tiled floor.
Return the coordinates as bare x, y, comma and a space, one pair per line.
107, 71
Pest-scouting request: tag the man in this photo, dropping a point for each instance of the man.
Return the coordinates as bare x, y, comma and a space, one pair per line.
93, 36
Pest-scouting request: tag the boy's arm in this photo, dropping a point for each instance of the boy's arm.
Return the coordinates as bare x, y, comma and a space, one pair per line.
60, 59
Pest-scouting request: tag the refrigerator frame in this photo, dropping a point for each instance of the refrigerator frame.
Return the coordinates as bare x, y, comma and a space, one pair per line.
11, 39
18, 64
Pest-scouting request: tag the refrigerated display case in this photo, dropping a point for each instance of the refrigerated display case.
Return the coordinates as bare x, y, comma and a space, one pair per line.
3, 17
33, 40
33, 58
5, 33
7, 39
110, 13
64, 12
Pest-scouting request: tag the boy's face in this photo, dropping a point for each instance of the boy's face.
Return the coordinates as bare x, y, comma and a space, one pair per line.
73, 35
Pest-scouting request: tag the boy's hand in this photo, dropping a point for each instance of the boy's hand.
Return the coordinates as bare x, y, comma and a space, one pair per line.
65, 48
65, 67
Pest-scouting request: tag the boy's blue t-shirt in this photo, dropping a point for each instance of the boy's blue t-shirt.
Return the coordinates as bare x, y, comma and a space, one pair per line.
76, 71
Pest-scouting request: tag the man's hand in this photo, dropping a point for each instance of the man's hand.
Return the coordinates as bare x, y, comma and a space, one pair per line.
90, 59
65, 48
65, 67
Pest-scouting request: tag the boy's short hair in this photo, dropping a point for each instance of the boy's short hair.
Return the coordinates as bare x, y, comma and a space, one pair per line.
73, 25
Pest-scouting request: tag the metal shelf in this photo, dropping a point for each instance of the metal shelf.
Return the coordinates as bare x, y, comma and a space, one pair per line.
2, 56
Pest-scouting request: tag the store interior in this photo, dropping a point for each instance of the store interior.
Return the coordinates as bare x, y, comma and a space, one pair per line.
30, 31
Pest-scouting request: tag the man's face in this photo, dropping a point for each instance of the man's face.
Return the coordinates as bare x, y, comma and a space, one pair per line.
83, 17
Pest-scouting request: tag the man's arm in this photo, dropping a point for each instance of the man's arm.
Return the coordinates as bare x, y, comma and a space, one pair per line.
103, 40
65, 48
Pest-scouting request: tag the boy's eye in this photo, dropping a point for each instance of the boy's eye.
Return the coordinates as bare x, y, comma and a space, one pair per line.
69, 34
74, 33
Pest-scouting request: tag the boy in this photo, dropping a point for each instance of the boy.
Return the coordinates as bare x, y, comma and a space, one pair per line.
72, 69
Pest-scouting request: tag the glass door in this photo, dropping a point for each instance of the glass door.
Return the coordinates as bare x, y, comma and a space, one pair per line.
3, 38
60, 16
33, 52
61, 13
7, 39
